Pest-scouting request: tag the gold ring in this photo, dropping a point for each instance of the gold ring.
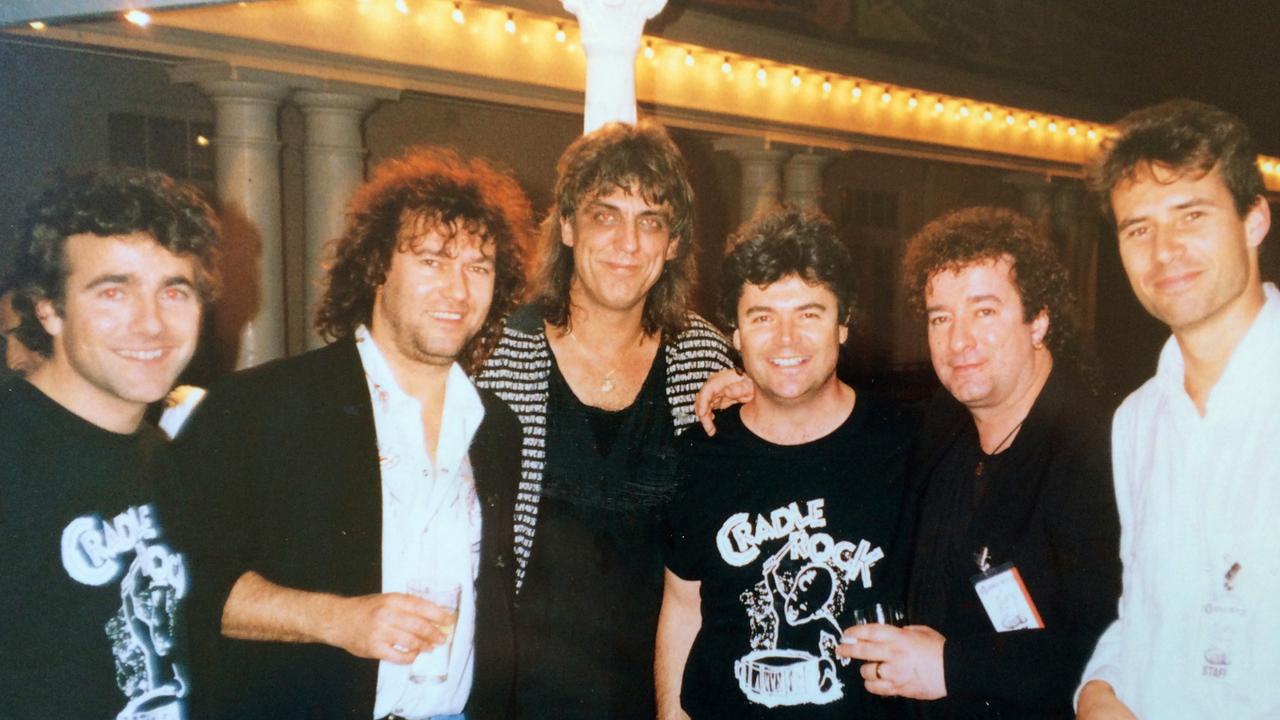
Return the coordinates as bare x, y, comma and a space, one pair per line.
878, 675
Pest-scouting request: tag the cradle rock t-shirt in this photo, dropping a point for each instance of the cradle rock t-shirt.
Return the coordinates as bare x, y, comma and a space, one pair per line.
787, 541
90, 591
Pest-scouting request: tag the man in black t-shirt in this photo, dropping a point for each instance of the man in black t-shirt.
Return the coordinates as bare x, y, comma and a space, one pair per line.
112, 273
781, 522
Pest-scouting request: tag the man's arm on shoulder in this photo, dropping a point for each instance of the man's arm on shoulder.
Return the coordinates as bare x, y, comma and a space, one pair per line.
678, 624
1098, 701
388, 626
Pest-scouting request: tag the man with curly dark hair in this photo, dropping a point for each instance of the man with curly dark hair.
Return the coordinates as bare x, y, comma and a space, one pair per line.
113, 270
602, 368
1010, 515
781, 524
1195, 453
338, 499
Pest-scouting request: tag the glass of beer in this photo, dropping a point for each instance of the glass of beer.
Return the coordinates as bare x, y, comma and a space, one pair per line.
432, 665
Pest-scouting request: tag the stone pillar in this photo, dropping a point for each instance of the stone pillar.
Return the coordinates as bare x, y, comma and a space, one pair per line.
761, 173
246, 152
334, 167
802, 179
611, 31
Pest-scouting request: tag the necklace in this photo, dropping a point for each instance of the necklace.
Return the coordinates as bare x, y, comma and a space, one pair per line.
608, 384
981, 466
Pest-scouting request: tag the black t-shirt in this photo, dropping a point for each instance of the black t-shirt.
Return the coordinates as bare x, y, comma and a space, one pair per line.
587, 613
90, 593
786, 541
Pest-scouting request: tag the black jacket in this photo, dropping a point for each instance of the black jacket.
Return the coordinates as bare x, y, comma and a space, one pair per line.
279, 474
1050, 509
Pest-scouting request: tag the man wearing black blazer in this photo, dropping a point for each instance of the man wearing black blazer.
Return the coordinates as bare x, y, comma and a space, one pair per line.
318, 491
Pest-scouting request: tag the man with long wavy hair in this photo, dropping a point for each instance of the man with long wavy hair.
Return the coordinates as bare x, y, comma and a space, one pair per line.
602, 368
322, 488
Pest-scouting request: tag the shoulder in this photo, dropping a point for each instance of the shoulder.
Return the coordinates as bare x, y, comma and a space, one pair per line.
701, 335
521, 349
499, 418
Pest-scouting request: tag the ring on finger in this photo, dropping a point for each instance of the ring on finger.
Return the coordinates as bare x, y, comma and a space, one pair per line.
878, 675
401, 648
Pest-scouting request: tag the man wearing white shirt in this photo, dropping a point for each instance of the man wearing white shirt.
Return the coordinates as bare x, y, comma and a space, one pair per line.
319, 490
1197, 467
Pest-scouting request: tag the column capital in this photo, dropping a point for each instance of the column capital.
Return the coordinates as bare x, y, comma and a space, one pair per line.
802, 178
324, 100
751, 148
611, 31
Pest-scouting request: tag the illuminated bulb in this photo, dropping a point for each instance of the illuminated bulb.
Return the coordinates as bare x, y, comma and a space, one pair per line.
1268, 166
761, 75
726, 67
402, 6
938, 107
1093, 134
986, 115
826, 85
560, 36
457, 15
1008, 119
648, 51
856, 92
37, 25
688, 58
137, 17
1033, 123
1071, 130
202, 141
886, 97
912, 102
964, 111
1053, 126
510, 24
795, 79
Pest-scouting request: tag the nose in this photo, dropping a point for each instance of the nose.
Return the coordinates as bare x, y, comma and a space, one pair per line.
147, 318
961, 334
629, 237
1168, 245
786, 330
454, 286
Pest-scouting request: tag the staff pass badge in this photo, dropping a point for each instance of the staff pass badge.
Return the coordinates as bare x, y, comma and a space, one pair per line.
1222, 630
1005, 598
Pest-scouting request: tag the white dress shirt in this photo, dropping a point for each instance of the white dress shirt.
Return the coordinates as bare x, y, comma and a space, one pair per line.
430, 522
1199, 502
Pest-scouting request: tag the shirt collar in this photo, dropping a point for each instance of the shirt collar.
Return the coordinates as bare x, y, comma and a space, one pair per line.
1251, 359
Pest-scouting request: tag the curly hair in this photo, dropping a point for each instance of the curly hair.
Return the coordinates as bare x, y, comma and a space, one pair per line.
786, 242
454, 195
106, 203
632, 158
1187, 136
977, 235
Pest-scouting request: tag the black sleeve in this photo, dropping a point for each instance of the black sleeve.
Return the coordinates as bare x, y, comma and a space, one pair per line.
683, 513
1039, 669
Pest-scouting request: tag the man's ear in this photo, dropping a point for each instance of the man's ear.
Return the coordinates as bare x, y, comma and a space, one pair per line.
1040, 328
672, 248
1257, 221
566, 231
48, 316
737, 340
844, 334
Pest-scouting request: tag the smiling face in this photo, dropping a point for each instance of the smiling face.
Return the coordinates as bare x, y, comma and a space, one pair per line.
128, 327
982, 350
620, 243
1190, 257
789, 334
436, 296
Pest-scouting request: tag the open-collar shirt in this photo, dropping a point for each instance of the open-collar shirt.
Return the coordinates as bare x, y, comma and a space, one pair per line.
430, 521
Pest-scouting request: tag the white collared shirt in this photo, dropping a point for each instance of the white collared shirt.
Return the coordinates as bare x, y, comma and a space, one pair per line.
1198, 496
430, 521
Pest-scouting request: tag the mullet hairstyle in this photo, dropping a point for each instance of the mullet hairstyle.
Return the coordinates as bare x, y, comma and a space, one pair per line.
107, 203
787, 242
986, 235
452, 195
1186, 136
632, 158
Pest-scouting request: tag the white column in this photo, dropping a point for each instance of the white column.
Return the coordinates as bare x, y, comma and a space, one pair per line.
246, 152
761, 173
611, 31
802, 179
334, 167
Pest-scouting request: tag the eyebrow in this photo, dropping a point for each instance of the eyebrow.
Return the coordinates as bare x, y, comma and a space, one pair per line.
1190, 203
126, 278
968, 299
770, 308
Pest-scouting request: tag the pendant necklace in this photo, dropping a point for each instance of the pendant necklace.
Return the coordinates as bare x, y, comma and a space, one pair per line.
981, 467
607, 385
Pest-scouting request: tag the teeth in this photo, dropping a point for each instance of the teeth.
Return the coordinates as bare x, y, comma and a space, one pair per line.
142, 354
446, 315
787, 362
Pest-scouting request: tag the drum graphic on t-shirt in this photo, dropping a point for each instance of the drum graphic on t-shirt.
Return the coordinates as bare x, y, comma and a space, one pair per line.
792, 610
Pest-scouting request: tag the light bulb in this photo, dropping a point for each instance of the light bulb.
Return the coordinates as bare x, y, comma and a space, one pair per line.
137, 17
37, 25
457, 15
510, 24
726, 67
